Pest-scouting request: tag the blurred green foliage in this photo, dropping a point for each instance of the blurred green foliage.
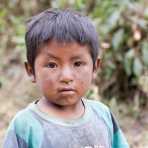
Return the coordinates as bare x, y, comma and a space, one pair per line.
124, 41
123, 29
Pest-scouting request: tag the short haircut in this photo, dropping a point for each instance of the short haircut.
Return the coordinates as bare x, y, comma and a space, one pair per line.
62, 26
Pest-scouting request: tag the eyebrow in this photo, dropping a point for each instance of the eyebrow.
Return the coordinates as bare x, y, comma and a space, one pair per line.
52, 56
76, 57
57, 58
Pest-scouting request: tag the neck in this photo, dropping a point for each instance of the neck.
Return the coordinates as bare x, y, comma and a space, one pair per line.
60, 111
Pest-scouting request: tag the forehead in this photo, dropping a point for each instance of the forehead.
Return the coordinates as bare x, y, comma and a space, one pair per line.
62, 49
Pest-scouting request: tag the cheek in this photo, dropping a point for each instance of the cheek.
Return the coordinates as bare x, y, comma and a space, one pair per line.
85, 79
45, 80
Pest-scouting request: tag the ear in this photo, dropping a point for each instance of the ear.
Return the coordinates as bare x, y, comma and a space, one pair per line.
30, 72
96, 67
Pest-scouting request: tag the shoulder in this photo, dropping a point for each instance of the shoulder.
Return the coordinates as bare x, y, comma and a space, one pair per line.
99, 107
118, 139
24, 118
25, 124
24, 129
103, 112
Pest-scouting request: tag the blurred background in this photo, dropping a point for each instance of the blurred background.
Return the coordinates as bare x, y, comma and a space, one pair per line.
122, 81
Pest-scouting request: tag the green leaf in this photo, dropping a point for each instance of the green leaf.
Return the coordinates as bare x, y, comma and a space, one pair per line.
109, 71
142, 23
130, 53
145, 53
3, 13
146, 13
137, 67
79, 4
117, 39
128, 61
112, 21
20, 30
19, 40
61, 3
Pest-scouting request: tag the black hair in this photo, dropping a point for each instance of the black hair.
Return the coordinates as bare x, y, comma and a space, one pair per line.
62, 26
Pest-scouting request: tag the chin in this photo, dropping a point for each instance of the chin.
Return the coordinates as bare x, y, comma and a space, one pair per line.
67, 102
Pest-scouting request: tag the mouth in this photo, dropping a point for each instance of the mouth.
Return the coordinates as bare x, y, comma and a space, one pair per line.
67, 91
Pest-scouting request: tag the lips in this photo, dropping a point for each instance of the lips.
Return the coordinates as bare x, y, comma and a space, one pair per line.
66, 90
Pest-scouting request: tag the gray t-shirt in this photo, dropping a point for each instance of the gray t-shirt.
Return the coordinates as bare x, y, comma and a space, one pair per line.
32, 128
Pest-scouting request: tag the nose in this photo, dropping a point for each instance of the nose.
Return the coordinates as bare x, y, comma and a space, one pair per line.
66, 75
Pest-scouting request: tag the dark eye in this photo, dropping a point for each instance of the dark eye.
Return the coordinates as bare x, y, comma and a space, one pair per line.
52, 65
78, 64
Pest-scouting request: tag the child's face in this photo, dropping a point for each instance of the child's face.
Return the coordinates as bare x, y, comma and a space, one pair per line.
63, 72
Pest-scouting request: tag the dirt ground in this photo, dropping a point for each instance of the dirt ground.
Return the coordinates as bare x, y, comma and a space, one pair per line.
18, 92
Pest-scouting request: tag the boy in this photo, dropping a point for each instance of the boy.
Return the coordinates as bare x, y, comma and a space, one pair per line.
62, 51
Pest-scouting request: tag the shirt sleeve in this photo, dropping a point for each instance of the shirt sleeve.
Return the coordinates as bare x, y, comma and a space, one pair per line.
119, 141
24, 131
14, 141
